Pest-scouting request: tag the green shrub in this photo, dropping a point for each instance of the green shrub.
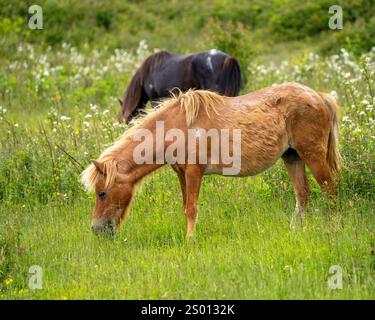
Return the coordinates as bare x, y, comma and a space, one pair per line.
184, 26
233, 39
357, 38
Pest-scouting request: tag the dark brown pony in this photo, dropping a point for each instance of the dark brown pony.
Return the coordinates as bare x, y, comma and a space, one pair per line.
164, 71
288, 121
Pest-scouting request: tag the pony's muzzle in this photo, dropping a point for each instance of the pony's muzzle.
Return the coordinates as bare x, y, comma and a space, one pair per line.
103, 229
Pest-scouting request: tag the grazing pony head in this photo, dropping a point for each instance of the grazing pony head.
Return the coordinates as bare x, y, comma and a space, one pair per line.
113, 191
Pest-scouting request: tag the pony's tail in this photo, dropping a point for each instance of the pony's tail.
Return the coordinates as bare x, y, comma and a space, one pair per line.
132, 96
230, 77
333, 155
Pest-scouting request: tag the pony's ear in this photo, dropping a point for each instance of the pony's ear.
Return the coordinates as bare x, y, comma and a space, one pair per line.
120, 102
99, 166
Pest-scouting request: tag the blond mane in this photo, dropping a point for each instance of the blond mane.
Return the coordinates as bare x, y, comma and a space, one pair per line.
190, 101
91, 174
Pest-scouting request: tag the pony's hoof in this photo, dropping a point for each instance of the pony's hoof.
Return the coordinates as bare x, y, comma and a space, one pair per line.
189, 236
296, 221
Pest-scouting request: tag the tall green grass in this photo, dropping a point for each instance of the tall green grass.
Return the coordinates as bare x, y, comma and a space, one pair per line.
245, 248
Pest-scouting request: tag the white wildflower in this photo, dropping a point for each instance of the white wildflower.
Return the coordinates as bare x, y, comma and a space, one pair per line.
334, 94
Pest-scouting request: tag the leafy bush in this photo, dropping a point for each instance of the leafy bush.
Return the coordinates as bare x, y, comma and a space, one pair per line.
299, 20
356, 38
184, 26
233, 39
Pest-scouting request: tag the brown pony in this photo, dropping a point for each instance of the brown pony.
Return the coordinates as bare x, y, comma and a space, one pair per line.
288, 121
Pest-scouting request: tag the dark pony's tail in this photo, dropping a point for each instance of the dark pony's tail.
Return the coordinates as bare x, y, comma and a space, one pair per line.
230, 78
134, 91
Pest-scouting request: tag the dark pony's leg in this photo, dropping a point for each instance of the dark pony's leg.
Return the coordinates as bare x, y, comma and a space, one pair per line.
296, 171
193, 176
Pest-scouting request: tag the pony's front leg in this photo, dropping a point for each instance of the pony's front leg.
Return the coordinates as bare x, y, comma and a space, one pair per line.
181, 178
193, 178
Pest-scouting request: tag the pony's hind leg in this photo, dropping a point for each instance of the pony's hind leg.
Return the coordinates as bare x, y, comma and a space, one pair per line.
313, 147
322, 173
315, 157
296, 171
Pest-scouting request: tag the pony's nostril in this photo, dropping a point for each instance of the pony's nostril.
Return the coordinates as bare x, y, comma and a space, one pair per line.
95, 229
111, 228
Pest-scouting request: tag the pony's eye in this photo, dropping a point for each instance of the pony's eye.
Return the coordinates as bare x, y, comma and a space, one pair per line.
101, 195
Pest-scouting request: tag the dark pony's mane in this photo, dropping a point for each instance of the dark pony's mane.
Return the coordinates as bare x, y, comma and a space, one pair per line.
133, 92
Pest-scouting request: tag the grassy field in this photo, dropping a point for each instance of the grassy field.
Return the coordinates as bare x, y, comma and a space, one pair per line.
58, 108
245, 248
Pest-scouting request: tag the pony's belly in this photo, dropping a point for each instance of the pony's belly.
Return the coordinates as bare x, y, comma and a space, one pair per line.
252, 170
212, 169
233, 170
246, 165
